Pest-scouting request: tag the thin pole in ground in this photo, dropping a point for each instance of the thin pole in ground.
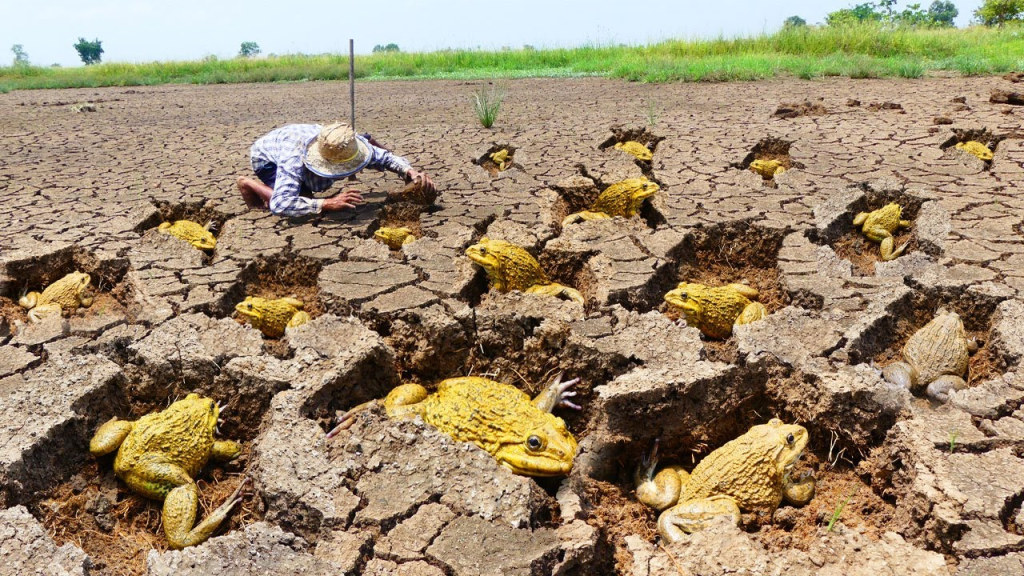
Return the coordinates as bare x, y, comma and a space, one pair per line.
352, 81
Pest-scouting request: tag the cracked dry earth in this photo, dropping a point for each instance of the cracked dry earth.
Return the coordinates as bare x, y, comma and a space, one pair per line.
912, 487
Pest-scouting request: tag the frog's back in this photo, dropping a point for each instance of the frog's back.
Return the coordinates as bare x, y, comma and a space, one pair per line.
166, 435
478, 410
520, 269
741, 469
937, 349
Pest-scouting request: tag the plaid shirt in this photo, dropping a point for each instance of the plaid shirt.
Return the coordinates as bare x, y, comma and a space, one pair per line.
283, 147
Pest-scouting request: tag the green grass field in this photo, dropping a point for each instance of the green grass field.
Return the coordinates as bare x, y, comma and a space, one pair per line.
863, 51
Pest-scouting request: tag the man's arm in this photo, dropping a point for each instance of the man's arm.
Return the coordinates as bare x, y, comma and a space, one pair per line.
384, 160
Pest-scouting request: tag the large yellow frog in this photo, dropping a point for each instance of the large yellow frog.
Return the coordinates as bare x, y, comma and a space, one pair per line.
636, 150
66, 294
158, 456
880, 225
751, 473
272, 317
767, 169
936, 356
714, 311
395, 238
511, 267
195, 234
976, 149
501, 159
620, 199
520, 433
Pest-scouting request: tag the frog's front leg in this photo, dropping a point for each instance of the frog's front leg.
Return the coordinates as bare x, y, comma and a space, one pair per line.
555, 289
799, 491
557, 394
693, 515
940, 388
109, 436
225, 450
753, 312
661, 490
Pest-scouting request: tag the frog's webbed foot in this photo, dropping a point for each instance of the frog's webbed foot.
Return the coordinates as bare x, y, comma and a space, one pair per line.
582, 216
753, 312
347, 419
800, 490
940, 388
179, 513
693, 515
901, 374
557, 394
555, 289
661, 490
109, 436
973, 345
887, 250
400, 403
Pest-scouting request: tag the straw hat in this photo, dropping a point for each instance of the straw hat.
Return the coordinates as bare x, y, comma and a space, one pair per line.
336, 152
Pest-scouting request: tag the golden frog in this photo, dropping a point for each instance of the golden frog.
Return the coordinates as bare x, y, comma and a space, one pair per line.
880, 225
935, 356
501, 159
395, 238
636, 149
751, 473
714, 311
66, 294
511, 267
620, 199
272, 317
195, 234
977, 149
520, 433
768, 169
158, 456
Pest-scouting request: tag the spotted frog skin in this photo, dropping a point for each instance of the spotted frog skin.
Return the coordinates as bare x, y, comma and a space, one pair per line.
636, 149
751, 473
520, 433
158, 456
501, 159
620, 199
511, 267
66, 294
395, 238
936, 356
195, 234
977, 149
272, 317
714, 311
768, 169
880, 225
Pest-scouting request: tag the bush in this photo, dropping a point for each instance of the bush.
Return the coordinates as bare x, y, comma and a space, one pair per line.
20, 56
794, 22
249, 49
389, 48
996, 12
89, 52
942, 12
487, 103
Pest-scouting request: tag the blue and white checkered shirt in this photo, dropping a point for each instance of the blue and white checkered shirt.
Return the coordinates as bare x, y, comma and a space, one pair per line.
283, 148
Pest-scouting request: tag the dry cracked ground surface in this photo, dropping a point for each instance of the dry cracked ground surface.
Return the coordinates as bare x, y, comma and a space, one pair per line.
910, 487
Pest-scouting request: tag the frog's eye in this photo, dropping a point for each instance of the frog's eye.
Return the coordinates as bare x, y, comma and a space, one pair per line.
790, 439
683, 296
534, 443
249, 305
483, 250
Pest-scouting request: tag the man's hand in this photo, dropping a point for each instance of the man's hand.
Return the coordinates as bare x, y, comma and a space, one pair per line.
344, 200
421, 179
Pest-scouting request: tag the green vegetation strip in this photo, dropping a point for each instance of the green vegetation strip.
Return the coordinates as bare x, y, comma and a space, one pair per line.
855, 51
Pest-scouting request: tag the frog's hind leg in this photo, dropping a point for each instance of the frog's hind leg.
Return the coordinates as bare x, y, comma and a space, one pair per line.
860, 218
43, 311
693, 515
109, 436
293, 302
180, 507
298, 319
661, 490
555, 289
557, 394
940, 388
753, 312
745, 290
585, 215
887, 242
901, 374
29, 301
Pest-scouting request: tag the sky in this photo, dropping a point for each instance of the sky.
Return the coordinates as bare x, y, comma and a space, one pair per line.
149, 30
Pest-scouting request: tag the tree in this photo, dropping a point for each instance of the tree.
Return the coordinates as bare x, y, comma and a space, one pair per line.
249, 49
794, 22
392, 47
20, 56
996, 12
89, 52
942, 12
860, 13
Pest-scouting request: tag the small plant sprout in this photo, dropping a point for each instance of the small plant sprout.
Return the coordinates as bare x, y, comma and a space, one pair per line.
839, 511
487, 103
952, 440
652, 110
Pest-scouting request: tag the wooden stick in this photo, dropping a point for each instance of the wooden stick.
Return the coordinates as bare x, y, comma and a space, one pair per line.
352, 81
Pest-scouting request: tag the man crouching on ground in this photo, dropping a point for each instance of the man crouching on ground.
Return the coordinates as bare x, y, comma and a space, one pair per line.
298, 159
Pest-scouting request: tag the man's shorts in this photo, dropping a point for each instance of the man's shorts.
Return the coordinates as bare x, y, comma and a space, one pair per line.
267, 173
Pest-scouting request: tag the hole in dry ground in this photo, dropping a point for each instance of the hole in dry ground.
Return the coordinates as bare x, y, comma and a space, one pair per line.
621, 136
767, 157
850, 243
884, 345
581, 193
497, 159
117, 528
963, 145
569, 270
797, 109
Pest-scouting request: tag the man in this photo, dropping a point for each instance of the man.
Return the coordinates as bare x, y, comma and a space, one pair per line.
298, 159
